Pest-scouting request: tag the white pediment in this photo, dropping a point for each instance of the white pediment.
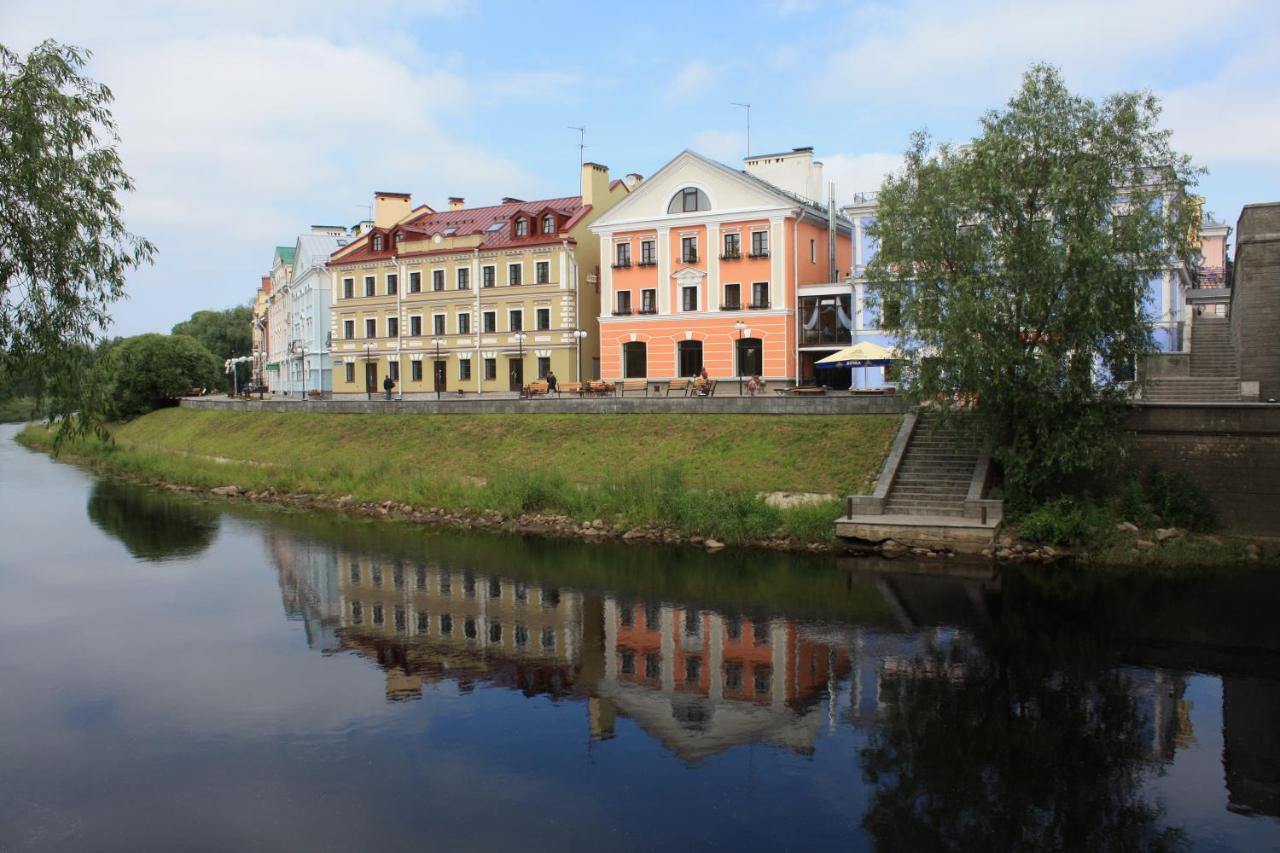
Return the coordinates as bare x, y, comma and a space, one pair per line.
689, 275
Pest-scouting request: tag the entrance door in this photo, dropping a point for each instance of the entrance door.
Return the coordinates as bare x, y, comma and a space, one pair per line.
515, 369
371, 377
441, 381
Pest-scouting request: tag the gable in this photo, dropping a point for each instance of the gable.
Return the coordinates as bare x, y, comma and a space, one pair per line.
726, 188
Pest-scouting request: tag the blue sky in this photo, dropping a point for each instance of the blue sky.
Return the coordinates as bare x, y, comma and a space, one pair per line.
243, 121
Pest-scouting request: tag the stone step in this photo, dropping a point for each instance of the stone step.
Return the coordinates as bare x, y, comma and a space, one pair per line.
915, 508
933, 476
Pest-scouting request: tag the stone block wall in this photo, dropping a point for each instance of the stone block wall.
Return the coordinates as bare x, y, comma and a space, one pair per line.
1255, 298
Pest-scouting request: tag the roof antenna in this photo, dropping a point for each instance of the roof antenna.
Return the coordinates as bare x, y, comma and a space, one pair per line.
748, 106
582, 144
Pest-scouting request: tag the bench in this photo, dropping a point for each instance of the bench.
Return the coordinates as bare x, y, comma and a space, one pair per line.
537, 388
703, 387
681, 385
563, 388
599, 388
801, 390
633, 385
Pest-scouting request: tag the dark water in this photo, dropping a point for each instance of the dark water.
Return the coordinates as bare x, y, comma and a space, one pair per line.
182, 676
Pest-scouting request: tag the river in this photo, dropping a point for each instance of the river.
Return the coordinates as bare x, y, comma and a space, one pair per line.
186, 675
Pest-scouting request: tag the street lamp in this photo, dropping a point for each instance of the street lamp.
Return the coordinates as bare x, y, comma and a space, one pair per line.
741, 328
368, 357
578, 335
520, 336
435, 366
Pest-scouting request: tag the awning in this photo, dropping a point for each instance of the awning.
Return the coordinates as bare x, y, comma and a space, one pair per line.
865, 354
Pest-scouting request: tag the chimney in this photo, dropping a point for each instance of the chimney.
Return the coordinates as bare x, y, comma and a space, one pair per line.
457, 202
390, 208
329, 230
506, 199
632, 180
794, 171
595, 183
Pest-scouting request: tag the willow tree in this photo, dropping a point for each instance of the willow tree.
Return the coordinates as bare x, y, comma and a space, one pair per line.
1014, 271
64, 249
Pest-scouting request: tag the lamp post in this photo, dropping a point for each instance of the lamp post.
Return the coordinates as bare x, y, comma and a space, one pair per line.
435, 366
368, 356
578, 335
741, 328
520, 336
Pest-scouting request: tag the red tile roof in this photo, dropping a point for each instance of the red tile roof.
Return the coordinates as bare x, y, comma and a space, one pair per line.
469, 221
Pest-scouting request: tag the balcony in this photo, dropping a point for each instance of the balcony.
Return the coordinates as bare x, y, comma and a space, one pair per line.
622, 265
758, 306
761, 254
622, 312
731, 256
650, 310
731, 306
689, 258
647, 262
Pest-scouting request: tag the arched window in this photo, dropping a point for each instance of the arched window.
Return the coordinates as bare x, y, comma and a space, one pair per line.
548, 224
750, 357
635, 360
377, 242
689, 200
689, 357
522, 228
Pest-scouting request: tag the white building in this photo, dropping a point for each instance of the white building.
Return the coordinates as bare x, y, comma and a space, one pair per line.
307, 367
278, 317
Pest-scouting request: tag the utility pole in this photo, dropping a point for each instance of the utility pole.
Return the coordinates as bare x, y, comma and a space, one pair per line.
748, 108
582, 144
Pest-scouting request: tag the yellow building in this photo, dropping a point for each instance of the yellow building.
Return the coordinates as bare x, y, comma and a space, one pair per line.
471, 299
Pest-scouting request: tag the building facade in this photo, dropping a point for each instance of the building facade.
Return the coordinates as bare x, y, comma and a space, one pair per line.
703, 264
278, 317
261, 330
470, 299
306, 367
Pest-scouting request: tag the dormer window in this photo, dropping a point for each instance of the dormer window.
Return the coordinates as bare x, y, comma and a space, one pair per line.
689, 200
522, 228
377, 242
548, 224
399, 236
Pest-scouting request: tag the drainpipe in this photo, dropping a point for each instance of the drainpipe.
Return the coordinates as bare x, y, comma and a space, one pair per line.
792, 354
577, 310
399, 322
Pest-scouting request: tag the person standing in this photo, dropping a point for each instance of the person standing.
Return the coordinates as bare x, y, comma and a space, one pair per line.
387, 385
551, 381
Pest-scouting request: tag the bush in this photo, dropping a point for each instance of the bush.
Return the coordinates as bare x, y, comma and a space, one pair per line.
1176, 499
1064, 521
149, 371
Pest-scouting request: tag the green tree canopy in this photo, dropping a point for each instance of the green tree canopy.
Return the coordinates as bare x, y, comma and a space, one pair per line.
1014, 270
64, 250
226, 334
147, 372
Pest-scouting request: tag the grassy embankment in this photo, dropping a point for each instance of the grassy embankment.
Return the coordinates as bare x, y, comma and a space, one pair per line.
701, 475
18, 409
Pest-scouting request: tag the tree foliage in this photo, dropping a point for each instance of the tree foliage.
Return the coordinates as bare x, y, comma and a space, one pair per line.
64, 249
1014, 271
150, 371
226, 334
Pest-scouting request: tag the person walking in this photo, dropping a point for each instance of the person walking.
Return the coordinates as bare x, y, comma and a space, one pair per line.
387, 385
551, 381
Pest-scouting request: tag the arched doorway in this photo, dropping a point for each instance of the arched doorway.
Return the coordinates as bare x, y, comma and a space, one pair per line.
635, 360
689, 358
750, 360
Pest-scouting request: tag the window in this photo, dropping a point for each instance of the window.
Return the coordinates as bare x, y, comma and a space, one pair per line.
760, 294
515, 320
368, 285
488, 274
415, 282
520, 635
626, 660
689, 250
350, 372
689, 357
393, 327
759, 244
624, 302
490, 368
689, 200
652, 666
495, 588
377, 242
623, 251
760, 633
424, 621
732, 297
490, 319
542, 319
393, 283
464, 278
548, 638
733, 628
437, 324
542, 272
733, 676
626, 615
648, 257
760, 677
692, 623
393, 368
415, 371
446, 583
813, 251
415, 327
634, 360
348, 329
515, 274
692, 670
732, 247
544, 366
348, 288
464, 324
464, 368
649, 301
370, 327
446, 624
437, 279
689, 298
357, 616
469, 627
750, 356
548, 224
522, 228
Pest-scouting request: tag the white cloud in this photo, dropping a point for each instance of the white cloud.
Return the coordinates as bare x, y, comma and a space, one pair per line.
853, 173
727, 146
692, 80
1232, 118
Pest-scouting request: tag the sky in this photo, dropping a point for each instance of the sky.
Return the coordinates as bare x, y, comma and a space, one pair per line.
243, 122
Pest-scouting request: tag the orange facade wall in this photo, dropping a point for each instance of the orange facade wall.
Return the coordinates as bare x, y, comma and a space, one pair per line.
815, 271
661, 335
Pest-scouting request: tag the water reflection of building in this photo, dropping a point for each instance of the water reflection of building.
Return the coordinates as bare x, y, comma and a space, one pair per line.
1251, 751
427, 623
702, 682
308, 577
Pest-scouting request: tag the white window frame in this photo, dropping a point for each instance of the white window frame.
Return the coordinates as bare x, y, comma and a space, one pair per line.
412, 318
459, 274
386, 283
370, 285
458, 322
511, 311
349, 325
483, 325
537, 313
374, 321
439, 324
517, 265
697, 298
439, 274
389, 320
538, 266
491, 268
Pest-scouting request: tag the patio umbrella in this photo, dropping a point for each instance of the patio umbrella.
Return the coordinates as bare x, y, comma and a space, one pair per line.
864, 355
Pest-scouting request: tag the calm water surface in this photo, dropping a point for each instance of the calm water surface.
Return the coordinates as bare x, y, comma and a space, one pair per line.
186, 676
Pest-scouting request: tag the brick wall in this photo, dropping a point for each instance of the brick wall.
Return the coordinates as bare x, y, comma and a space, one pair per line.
1255, 299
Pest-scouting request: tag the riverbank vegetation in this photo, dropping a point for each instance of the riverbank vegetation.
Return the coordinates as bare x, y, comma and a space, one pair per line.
722, 477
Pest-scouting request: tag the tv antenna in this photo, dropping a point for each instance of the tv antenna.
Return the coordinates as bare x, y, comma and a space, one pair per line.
748, 108
582, 143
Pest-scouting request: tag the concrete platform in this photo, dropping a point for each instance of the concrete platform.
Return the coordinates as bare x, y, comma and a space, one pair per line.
963, 535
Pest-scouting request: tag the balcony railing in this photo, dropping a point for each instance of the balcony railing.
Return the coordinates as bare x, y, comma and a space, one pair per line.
622, 312
731, 256
1210, 277
761, 254
647, 262
649, 310
622, 265
731, 306
689, 258
757, 306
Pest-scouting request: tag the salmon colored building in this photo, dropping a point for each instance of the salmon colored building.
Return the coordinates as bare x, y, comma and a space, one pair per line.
701, 265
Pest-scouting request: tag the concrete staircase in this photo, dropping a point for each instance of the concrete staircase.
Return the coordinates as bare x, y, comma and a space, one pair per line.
1215, 374
933, 477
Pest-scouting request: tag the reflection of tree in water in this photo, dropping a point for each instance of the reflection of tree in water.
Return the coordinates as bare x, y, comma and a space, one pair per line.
1021, 746
152, 526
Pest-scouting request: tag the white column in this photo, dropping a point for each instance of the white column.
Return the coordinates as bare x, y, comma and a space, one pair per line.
667, 623
606, 273
715, 662
712, 302
664, 270
777, 260
610, 639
